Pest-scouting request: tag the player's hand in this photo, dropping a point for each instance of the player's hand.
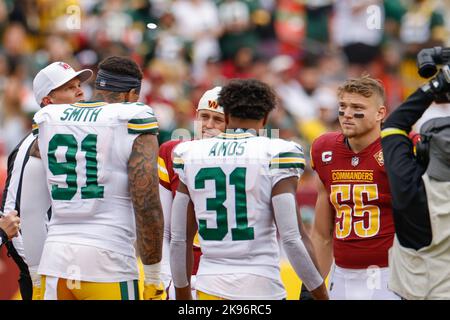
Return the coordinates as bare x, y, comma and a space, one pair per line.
183, 293
10, 224
320, 293
154, 292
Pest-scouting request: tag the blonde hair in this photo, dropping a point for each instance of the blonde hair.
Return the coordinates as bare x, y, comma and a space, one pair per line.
365, 86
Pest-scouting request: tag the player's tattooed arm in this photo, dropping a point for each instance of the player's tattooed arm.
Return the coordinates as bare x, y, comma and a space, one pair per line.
144, 190
34, 150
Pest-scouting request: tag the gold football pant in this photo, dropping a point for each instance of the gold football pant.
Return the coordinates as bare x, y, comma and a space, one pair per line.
63, 289
205, 296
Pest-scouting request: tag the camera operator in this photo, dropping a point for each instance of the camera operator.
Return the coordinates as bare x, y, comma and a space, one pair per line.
420, 185
9, 226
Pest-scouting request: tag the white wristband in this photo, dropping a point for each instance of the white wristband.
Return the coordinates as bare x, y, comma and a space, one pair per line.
35, 277
152, 273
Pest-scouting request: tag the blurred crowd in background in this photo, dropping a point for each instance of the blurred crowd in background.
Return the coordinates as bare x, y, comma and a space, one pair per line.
303, 48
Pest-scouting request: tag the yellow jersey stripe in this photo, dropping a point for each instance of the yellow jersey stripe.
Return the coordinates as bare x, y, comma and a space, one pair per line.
235, 135
196, 240
163, 176
178, 160
142, 126
87, 104
288, 160
162, 164
162, 171
390, 131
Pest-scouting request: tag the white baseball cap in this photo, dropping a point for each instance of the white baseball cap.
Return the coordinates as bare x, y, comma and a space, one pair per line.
54, 76
281, 63
208, 101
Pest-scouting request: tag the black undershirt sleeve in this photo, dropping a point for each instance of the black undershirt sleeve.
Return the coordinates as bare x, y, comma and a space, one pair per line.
411, 216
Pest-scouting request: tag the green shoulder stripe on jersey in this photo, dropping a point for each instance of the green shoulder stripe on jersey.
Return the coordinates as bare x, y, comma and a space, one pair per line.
143, 121
391, 131
139, 131
178, 163
287, 160
144, 125
178, 166
291, 165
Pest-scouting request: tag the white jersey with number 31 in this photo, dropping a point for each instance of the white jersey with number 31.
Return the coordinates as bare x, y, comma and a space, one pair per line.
230, 180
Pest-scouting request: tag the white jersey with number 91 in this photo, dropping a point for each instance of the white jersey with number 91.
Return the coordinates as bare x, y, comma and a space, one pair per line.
85, 148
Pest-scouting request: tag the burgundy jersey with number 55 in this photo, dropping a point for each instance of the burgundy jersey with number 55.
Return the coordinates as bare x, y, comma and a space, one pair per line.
359, 193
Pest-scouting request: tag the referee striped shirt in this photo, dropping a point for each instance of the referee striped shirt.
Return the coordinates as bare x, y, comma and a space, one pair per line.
26, 191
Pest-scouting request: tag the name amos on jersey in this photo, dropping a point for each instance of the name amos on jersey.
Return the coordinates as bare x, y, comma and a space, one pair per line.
227, 148
352, 175
81, 114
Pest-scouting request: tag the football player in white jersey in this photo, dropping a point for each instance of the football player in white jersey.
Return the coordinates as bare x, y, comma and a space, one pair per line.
26, 187
211, 122
101, 162
239, 189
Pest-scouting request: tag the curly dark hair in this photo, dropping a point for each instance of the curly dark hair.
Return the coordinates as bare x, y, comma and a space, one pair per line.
247, 99
121, 65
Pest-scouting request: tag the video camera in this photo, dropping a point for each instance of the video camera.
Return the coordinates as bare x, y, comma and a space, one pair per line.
427, 62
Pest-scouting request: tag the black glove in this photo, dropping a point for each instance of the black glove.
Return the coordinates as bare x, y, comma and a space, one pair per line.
305, 294
439, 86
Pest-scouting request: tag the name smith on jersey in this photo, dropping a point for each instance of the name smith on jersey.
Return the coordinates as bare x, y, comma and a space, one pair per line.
80, 114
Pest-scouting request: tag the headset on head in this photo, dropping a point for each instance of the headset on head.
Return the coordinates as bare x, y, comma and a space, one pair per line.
423, 146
